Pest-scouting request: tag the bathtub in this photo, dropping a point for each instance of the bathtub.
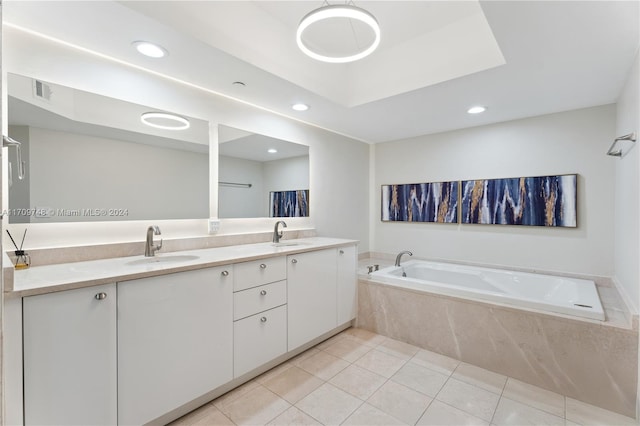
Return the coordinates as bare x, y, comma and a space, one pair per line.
569, 296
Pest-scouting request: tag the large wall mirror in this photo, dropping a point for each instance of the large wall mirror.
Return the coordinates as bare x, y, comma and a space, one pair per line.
259, 176
91, 158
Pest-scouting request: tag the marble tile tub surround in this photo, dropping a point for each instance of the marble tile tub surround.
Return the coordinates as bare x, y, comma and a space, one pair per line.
338, 382
616, 310
51, 256
584, 360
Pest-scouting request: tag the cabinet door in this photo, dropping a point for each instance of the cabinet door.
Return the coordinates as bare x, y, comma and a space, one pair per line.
347, 284
311, 295
70, 357
259, 339
174, 341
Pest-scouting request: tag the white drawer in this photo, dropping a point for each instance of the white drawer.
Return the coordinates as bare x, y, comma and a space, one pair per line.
257, 299
259, 272
259, 339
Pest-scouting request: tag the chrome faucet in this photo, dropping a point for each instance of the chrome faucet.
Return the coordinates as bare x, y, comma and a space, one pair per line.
278, 234
149, 248
399, 256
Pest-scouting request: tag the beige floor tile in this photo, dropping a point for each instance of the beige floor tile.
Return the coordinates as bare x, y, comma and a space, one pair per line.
441, 414
268, 375
435, 361
358, 381
480, 377
534, 396
294, 417
400, 402
348, 349
323, 365
330, 341
224, 400
471, 399
586, 414
420, 379
398, 349
512, 413
203, 416
368, 415
293, 384
380, 363
304, 355
366, 336
329, 405
256, 407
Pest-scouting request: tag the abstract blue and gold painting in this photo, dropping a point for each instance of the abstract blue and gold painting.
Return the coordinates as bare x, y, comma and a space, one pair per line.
420, 202
289, 203
537, 201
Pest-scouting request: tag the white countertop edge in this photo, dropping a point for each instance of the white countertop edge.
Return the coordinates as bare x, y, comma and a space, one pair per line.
68, 276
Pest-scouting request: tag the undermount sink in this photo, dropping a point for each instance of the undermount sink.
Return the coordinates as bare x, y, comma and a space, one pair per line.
289, 243
162, 259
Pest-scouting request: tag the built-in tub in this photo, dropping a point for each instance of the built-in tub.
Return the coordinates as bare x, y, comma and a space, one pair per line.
569, 296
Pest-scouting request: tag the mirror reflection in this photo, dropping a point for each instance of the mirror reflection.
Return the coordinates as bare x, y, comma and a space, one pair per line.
91, 158
259, 176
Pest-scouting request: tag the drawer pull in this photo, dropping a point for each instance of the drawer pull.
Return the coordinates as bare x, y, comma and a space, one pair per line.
225, 273
263, 293
263, 266
294, 260
101, 296
341, 251
263, 319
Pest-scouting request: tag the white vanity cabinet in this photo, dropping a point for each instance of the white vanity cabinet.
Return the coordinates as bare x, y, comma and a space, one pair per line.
260, 313
70, 357
311, 295
174, 340
347, 290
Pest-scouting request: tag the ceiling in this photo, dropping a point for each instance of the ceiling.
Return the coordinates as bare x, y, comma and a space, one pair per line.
436, 58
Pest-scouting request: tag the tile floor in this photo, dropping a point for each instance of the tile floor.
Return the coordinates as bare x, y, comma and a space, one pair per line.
361, 378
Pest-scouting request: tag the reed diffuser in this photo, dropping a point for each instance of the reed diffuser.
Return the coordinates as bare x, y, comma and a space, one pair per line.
23, 260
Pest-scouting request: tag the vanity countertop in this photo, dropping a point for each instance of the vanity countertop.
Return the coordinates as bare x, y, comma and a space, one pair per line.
67, 276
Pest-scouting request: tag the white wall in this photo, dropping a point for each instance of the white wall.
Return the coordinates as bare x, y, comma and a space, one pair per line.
133, 181
239, 201
338, 165
627, 186
287, 174
562, 143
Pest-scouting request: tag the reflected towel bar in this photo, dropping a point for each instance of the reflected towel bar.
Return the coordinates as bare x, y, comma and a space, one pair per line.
235, 184
7, 141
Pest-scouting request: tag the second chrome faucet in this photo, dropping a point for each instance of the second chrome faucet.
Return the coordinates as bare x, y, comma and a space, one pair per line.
278, 234
150, 249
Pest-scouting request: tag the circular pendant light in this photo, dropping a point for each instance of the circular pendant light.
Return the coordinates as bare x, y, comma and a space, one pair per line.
165, 121
326, 13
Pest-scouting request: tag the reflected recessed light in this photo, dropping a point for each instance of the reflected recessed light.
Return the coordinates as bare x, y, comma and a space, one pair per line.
165, 121
300, 107
272, 150
476, 110
149, 49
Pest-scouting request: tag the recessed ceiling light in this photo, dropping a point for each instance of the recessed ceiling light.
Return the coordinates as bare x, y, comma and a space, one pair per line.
476, 110
272, 151
238, 83
149, 49
300, 107
165, 121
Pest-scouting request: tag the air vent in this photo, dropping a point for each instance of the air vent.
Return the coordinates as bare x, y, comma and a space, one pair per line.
42, 90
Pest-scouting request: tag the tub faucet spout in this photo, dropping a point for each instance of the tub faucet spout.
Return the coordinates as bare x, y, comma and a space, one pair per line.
399, 256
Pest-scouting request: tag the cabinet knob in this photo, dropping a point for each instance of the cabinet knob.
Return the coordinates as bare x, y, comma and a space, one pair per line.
294, 260
263, 266
263, 319
101, 296
263, 292
225, 273
341, 251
